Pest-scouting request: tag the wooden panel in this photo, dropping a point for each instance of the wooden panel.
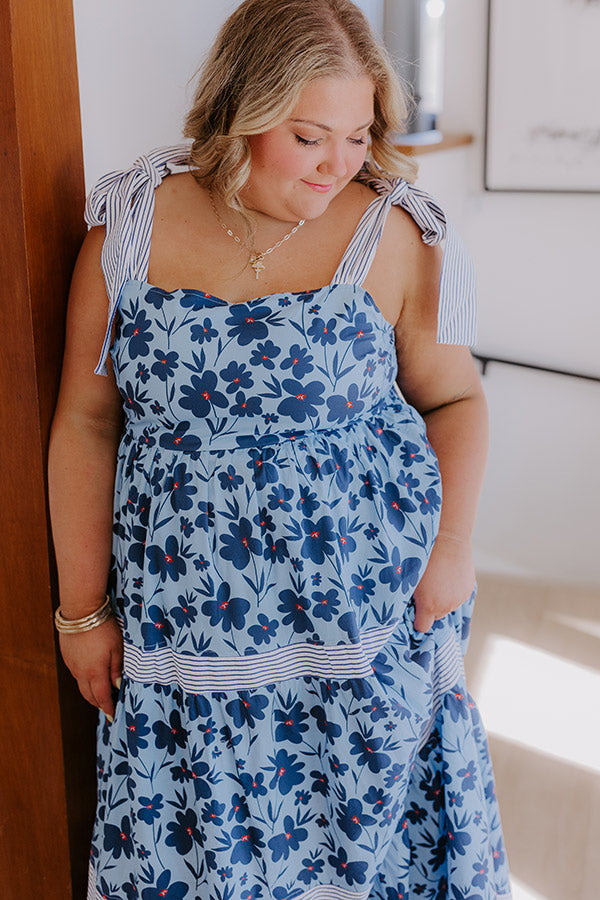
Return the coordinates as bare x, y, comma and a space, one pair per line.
41, 201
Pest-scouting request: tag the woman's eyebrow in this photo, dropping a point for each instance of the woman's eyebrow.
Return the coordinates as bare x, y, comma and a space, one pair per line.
326, 127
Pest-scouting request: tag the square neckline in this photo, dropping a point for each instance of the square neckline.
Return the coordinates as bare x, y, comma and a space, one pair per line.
296, 295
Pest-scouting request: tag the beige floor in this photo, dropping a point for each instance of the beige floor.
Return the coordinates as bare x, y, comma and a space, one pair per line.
534, 668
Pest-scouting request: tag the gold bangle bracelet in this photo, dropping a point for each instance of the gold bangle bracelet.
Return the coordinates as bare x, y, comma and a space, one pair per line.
86, 623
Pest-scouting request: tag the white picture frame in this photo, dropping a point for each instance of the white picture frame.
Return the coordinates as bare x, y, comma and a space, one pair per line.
543, 96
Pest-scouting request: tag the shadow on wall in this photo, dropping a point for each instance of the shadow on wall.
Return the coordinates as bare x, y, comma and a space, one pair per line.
533, 667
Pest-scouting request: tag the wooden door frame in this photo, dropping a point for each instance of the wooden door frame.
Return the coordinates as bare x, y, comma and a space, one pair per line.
46, 730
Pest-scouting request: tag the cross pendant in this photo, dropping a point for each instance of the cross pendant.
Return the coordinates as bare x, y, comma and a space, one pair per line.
257, 264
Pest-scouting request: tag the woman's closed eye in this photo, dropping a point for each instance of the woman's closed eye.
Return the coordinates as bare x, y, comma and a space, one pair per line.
306, 142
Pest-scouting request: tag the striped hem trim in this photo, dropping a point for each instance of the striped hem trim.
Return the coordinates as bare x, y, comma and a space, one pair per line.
333, 892
234, 673
448, 670
319, 892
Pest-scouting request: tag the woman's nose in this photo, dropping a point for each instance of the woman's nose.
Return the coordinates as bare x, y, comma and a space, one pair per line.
334, 162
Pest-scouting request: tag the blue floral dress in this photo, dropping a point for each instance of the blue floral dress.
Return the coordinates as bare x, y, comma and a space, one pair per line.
282, 731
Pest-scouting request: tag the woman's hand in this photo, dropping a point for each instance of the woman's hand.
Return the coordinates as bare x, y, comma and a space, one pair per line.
447, 582
95, 659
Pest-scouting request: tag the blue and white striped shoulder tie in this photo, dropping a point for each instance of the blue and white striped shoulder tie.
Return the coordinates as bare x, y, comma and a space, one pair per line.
123, 201
457, 307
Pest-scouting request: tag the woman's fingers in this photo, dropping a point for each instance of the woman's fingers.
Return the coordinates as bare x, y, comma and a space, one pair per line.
423, 619
101, 686
95, 658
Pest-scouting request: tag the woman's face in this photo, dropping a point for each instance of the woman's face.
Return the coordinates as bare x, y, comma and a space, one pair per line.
299, 166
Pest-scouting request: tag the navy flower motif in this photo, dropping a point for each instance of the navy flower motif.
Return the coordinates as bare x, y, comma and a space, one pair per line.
184, 832
352, 819
165, 365
303, 400
263, 470
166, 562
287, 772
294, 606
325, 605
227, 611
366, 748
247, 708
238, 375
292, 724
139, 334
353, 872
299, 360
175, 890
319, 539
342, 408
229, 479
247, 323
322, 331
117, 839
203, 332
396, 506
264, 354
202, 395
136, 730
361, 334
150, 808
429, 502
238, 546
246, 406
402, 574
178, 484
290, 839
264, 630
172, 735
158, 633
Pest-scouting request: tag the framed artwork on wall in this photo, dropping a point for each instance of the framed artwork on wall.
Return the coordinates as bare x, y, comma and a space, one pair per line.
543, 96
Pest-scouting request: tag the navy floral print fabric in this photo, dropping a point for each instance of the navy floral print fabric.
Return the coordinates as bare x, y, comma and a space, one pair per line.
282, 731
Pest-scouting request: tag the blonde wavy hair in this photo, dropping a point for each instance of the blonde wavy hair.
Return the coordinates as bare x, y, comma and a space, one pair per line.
265, 54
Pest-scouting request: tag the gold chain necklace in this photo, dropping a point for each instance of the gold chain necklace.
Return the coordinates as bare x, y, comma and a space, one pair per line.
255, 259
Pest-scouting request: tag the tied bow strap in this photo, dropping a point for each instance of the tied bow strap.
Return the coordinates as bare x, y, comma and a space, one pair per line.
123, 201
457, 305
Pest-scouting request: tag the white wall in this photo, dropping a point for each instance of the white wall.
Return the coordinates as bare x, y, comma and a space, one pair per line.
136, 59
537, 259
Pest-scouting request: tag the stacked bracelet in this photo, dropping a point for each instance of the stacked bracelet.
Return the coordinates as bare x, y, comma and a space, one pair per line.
74, 626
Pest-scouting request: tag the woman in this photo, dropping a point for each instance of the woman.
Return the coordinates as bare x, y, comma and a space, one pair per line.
291, 717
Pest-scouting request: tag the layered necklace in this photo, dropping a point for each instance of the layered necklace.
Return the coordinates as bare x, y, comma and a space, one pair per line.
255, 259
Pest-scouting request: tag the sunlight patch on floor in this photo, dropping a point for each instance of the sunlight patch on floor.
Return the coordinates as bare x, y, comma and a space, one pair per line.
585, 626
522, 891
541, 701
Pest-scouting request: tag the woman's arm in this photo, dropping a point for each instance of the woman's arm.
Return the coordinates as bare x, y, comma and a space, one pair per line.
81, 469
443, 384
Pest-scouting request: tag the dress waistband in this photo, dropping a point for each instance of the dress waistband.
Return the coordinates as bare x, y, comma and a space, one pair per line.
196, 437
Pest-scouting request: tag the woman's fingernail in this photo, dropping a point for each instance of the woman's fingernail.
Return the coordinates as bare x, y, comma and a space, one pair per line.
110, 718
118, 683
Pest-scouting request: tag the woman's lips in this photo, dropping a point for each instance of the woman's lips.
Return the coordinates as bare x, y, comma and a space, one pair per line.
320, 188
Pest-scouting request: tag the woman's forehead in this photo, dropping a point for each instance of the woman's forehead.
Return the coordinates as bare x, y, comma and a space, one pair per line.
332, 101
